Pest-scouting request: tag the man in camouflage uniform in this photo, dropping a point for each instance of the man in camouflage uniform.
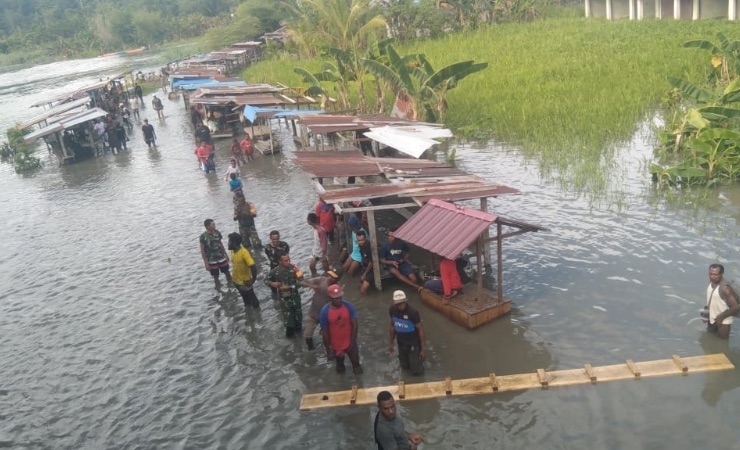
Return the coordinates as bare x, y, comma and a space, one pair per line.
244, 215
286, 279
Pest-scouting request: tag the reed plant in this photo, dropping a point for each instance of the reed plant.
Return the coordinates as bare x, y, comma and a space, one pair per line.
566, 91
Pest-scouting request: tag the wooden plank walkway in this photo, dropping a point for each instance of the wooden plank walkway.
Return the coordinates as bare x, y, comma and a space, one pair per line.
539, 379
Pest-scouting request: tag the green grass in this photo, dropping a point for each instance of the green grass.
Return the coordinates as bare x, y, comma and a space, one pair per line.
565, 91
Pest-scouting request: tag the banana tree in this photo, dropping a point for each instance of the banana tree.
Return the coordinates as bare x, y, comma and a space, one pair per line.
725, 56
330, 73
718, 111
413, 78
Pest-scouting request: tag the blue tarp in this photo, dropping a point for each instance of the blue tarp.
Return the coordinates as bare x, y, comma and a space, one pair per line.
251, 112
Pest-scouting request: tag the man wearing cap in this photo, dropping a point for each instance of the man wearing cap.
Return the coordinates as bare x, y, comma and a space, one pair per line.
319, 300
338, 321
406, 328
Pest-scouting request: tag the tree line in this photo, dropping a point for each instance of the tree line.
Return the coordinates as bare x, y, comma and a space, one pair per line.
68, 28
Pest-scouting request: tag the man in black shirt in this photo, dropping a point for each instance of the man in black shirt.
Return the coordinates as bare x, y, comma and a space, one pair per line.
406, 328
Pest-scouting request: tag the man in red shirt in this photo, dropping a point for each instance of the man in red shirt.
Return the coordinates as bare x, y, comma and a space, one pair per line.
202, 152
338, 321
449, 283
326, 218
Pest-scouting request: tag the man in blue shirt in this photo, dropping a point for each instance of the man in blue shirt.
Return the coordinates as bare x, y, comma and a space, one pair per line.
406, 328
395, 258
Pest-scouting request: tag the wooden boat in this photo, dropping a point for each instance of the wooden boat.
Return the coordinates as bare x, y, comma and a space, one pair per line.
494, 383
468, 308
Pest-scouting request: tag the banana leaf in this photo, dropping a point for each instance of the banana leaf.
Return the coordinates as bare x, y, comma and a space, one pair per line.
718, 133
691, 90
695, 119
728, 113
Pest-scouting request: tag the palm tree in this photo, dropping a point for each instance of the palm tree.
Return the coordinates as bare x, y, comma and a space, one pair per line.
414, 79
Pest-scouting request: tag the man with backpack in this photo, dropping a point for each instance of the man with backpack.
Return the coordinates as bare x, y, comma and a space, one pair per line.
721, 304
389, 431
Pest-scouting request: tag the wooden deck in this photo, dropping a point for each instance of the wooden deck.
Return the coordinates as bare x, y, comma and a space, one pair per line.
493, 383
467, 309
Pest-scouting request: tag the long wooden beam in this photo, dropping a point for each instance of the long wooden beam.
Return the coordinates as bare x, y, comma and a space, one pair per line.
494, 383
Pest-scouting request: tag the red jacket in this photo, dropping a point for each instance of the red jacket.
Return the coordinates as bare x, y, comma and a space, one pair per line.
450, 277
326, 216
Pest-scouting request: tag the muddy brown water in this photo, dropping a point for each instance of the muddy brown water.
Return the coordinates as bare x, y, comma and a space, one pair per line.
113, 336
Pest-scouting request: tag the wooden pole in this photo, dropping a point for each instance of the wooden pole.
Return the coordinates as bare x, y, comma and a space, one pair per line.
479, 295
269, 128
486, 237
499, 262
374, 248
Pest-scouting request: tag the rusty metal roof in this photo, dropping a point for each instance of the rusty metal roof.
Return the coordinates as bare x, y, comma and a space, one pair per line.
328, 123
444, 228
418, 179
336, 164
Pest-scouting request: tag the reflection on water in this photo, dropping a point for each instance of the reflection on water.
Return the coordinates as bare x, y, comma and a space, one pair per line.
115, 338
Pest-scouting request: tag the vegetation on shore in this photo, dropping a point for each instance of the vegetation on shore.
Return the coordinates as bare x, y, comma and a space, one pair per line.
566, 91
701, 145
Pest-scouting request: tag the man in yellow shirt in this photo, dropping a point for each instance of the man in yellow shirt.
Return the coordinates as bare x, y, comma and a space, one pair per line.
242, 273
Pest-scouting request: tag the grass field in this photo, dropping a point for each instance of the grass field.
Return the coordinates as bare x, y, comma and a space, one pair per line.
563, 90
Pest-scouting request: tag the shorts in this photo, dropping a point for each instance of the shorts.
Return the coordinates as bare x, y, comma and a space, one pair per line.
149, 141
221, 266
405, 268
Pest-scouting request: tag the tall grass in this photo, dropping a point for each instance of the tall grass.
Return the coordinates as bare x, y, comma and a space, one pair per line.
564, 90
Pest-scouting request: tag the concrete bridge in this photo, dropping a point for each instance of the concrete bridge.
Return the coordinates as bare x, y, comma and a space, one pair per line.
662, 9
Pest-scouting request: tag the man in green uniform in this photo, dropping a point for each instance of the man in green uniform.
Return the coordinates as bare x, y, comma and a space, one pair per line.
213, 252
244, 213
286, 279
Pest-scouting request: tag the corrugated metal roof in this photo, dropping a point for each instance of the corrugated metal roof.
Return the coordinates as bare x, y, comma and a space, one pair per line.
336, 164
336, 123
444, 228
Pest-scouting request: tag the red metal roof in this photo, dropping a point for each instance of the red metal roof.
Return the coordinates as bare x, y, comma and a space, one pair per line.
444, 228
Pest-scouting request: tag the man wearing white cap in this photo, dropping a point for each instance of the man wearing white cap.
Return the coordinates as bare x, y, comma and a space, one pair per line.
406, 328
338, 321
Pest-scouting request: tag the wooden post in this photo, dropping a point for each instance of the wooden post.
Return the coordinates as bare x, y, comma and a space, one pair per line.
374, 248
544, 379
695, 10
609, 9
486, 237
587, 5
633, 368
680, 364
61, 142
479, 264
499, 262
295, 131
353, 395
676, 9
732, 9
448, 385
494, 382
401, 390
272, 145
658, 9
631, 7
589, 372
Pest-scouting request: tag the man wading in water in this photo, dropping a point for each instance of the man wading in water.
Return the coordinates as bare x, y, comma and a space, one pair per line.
721, 303
390, 434
213, 252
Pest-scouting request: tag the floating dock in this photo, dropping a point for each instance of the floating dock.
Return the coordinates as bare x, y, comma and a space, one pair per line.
468, 308
539, 379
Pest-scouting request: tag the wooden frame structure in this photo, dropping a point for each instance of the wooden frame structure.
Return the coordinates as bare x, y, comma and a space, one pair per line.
540, 378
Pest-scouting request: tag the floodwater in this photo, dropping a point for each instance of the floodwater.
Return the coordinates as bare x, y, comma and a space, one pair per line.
113, 336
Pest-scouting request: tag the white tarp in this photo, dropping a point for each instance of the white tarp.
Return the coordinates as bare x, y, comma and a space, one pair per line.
409, 139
